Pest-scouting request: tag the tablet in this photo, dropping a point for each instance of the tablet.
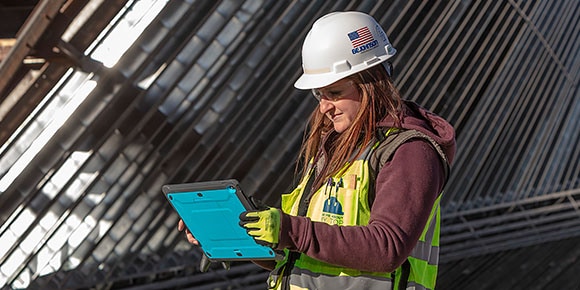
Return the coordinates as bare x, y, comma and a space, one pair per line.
210, 211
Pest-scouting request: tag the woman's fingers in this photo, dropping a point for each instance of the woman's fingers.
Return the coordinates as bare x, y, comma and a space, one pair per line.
188, 235
190, 238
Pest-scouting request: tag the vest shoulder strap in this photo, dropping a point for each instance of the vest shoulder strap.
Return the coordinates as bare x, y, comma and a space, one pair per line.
390, 143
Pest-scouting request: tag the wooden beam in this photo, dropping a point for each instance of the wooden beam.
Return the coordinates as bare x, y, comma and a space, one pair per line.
5, 45
29, 34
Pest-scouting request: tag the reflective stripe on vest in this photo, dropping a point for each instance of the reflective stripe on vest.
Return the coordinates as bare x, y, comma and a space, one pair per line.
305, 279
343, 201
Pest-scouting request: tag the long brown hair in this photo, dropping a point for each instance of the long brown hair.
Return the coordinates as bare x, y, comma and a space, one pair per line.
379, 98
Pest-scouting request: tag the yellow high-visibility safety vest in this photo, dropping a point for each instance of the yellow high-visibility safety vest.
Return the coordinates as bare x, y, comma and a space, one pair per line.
343, 200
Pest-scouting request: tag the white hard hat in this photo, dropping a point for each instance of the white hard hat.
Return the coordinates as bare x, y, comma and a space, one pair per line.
341, 44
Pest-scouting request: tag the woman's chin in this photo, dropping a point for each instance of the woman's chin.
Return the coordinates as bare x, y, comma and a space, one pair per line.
339, 128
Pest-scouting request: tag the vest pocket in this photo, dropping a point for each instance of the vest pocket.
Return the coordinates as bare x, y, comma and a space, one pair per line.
336, 203
350, 202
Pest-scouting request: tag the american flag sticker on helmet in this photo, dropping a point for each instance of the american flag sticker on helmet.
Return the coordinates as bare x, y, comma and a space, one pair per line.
360, 36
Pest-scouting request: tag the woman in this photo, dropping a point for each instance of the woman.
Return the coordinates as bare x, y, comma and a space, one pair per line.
366, 213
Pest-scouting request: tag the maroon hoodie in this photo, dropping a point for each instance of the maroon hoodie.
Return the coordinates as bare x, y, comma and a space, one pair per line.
406, 189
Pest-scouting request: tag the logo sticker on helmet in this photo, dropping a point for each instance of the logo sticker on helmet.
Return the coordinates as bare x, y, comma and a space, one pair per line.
362, 39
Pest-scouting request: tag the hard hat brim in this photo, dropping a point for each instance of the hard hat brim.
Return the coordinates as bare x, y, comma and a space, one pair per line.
313, 81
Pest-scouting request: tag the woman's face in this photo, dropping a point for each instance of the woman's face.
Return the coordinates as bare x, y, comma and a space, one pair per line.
339, 102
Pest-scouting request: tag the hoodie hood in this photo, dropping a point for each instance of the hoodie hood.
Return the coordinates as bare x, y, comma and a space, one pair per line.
415, 117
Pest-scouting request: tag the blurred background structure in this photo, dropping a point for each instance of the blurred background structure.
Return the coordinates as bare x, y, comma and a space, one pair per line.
103, 102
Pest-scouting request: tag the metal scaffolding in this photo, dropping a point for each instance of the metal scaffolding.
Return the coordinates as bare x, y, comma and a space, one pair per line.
202, 90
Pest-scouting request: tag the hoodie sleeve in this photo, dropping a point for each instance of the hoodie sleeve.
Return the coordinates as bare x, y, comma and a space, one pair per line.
406, 188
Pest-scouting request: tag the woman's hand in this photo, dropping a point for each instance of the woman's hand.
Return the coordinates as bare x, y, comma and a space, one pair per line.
190, 238
204, 263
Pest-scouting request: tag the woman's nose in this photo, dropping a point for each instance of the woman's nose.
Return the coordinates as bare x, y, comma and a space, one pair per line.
324, 105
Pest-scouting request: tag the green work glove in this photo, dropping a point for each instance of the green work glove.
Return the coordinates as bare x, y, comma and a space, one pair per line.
262, 225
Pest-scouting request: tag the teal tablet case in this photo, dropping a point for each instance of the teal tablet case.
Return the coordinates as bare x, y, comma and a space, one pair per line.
211, 210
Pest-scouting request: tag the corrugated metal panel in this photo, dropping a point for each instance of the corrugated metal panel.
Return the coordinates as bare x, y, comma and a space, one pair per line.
205, 92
